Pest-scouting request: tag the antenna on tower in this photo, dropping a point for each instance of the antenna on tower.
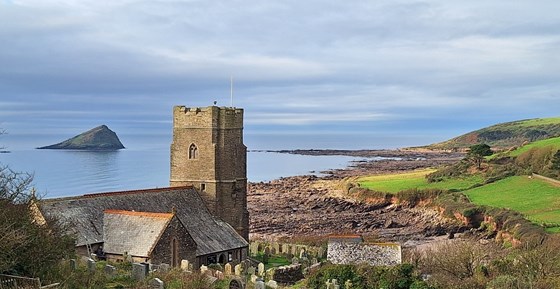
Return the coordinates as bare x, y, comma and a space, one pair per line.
231, 90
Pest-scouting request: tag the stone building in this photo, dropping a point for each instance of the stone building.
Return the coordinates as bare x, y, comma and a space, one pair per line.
146, 237
201, 218
208, 153
192, 233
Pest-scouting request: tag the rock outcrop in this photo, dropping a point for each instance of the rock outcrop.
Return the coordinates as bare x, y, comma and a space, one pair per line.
99, 138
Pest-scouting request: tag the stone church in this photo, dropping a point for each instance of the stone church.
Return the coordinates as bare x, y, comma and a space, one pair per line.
202, 217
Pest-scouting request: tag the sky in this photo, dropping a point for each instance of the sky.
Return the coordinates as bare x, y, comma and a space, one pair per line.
393, 73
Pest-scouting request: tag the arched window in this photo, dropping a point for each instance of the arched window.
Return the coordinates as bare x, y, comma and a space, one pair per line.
193, 152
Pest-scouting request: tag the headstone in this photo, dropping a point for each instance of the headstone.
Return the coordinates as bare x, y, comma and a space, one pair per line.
127, 257
219, 274
185, 265
227, 269
293, 250
91, 265
329, 284
110, 271
321, 252
260, 284
156, 283
235, 284
272, 284
251, 270
260, 269
285, 248
295, 260
237, 269
335, 284
348, 284
164, 267
211, 279
254, 279
139, 271
302, 253
269, 275
314, 261
203, 269
276, 247
267, 251
73, 264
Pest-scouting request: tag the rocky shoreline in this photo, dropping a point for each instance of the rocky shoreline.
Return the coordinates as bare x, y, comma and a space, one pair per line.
312, 206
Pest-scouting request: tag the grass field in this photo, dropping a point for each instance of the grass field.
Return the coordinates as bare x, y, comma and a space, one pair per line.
539, 121
394, 183
538, 200
554, 142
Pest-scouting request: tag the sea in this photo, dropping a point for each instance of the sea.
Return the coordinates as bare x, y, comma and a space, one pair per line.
145, 161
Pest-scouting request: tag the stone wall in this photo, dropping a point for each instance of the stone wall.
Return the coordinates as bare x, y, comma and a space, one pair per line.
380, 254
285, 249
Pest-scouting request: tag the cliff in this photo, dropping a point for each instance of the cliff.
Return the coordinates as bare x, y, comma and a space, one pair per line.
99, 138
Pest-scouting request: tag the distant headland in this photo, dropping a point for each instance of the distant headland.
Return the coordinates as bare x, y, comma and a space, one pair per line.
100, 138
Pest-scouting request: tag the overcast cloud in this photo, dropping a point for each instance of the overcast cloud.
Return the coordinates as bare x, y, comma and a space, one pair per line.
438, 68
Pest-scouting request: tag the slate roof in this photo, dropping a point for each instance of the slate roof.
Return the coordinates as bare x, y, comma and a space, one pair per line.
84, 214
133, 232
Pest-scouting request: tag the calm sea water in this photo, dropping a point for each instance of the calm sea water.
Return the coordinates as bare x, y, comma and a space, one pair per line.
144, 164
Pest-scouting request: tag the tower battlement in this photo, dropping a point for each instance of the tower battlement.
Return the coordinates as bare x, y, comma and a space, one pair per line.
208, 153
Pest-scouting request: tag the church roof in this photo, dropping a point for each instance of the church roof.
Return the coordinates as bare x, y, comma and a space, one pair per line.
84, 215
133, 232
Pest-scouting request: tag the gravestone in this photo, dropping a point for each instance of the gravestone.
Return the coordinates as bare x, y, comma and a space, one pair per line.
321, 252
73, 264
251, 270
139, 271
235, 284
237, 270
260, 271
285, 249
272, 284
227, 269
302, 253
348, 284
254, 279
211, 279
91, 265
269, 275
276, 247
164, 267
203, 269
267, 251
156, 283
110, 271
314, 261
219, 274
295, 260
185, 265
260, 284
293, 250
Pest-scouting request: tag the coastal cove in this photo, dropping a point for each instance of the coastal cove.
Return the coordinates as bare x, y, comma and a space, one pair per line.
59, 173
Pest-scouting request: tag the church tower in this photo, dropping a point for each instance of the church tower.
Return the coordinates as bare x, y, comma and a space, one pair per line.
208, 153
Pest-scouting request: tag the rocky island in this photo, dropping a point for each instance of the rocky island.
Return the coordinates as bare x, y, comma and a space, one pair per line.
100, 138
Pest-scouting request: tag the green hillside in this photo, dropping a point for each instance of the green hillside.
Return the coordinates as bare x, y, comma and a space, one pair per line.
551, 142
505, 135
538, 200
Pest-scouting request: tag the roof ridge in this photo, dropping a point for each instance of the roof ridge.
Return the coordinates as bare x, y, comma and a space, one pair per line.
116, 193
143, 214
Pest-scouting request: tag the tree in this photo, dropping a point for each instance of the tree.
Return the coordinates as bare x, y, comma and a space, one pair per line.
478, 152
556, 161
28, 247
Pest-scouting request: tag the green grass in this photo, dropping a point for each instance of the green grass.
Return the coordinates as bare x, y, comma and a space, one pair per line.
554, 142
539, 122
538, 200
394, 183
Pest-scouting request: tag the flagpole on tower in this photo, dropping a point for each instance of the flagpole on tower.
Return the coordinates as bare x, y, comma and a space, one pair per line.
231, 90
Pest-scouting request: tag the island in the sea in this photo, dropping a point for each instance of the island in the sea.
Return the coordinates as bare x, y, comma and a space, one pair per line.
98, 138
